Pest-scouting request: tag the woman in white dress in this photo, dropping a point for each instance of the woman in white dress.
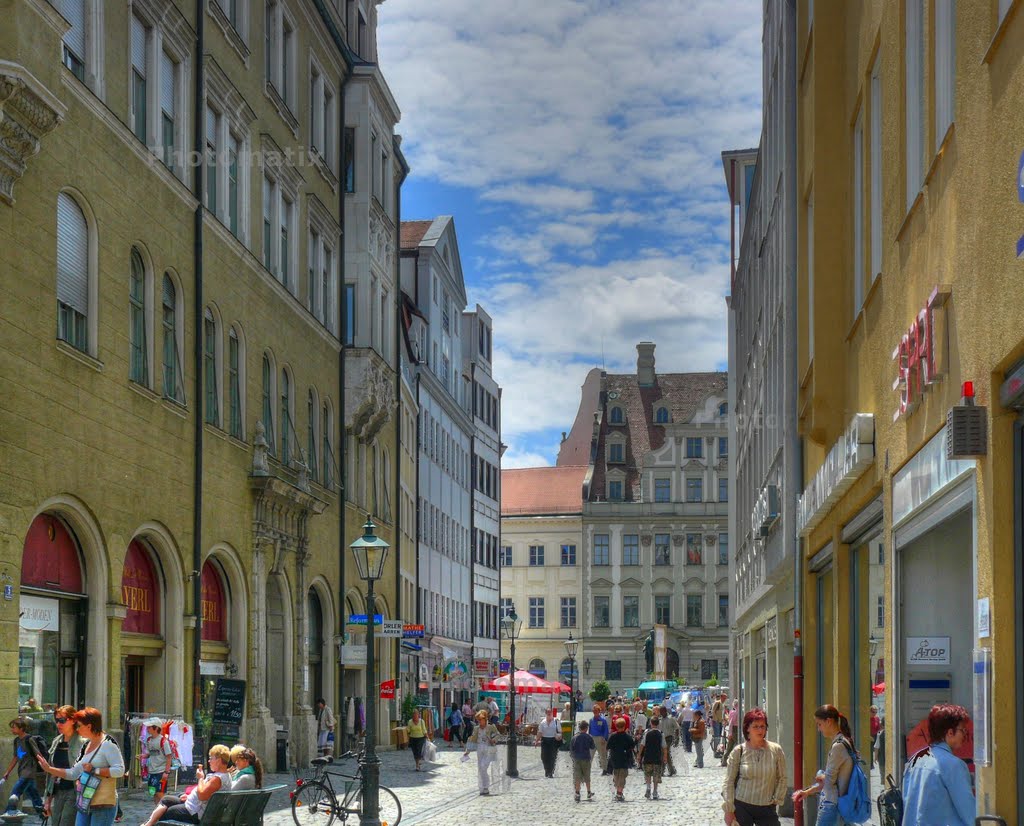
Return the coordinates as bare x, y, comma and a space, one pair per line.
485, 735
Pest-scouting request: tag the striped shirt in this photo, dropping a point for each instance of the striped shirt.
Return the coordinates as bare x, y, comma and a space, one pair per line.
755, 776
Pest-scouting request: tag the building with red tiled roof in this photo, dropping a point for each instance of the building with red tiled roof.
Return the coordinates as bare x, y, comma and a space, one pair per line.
655, 523
539, 491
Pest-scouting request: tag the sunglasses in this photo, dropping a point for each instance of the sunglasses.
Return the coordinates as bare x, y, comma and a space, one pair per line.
60, 720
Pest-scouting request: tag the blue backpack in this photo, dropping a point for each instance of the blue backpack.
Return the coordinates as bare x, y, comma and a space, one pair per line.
855, 805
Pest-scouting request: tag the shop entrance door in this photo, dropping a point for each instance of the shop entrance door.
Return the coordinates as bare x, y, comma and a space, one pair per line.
135, 684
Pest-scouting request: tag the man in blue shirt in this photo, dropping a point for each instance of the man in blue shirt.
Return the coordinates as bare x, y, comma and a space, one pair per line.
600, 732
937, 784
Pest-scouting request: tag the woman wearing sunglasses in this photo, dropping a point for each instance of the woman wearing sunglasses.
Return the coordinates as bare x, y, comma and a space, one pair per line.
59, 797
937, 783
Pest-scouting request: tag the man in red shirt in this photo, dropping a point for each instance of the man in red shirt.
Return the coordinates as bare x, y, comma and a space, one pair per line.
876, 725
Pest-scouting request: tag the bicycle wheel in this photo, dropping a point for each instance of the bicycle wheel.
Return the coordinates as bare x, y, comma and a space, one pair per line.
390, 810
313, 805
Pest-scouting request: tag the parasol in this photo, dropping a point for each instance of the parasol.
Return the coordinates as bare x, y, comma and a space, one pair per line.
878, 689
526, 683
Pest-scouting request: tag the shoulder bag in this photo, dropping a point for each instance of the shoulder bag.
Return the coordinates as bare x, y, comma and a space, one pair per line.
93, 790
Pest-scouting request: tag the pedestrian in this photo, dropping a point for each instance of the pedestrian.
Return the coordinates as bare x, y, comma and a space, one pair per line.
653, 755
717, 718
492, 707
876, 726
158, 756
579, 700
101, 759
600, 732
937, 783
734, 714
832, 783
581, 749
325, 723
467, 720
567, 713
686, 725
59, 796
619, 713
620, 756
248, 772
549, 735
27, 748
698, 733
416, 728
189, 807
485, 735
455, 726
880, 750
755, 782
670, 731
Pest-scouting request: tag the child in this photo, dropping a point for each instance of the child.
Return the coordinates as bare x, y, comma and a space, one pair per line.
582, 748
158, 754
26, 748
620, 757
653, 752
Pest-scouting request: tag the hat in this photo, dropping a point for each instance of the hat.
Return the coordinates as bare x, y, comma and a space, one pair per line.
152, 721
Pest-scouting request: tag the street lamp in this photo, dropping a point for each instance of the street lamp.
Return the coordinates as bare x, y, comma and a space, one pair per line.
370, 552
570, 648
511, 625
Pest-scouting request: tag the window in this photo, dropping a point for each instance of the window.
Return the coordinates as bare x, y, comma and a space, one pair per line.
279, 61
536, 555
73, 265
616, 452
74, 11
602, 612
568, 555
661, 416
695, 490
505, 558
708, 669
631, 549
568, 612
723, 409
212, 129
694, 447
945, 68
312, 418
233, 169
536, 612
211, 400
875, 160
267, 416
693, 549
350, 159
723, 489
615, 490
327, 434
723, 610
234, 385
140, 37
662, 490
172, 378
350, 314
601, 549
505, 607
630, 612
613, 669
662, 610
616, 415
322, 117
880, 612
286, 418
662, 549
723, 447
285, 261
858, 214
723, 549
138, 365
694, 610
881, 554
915, 98
232, 10
268, 223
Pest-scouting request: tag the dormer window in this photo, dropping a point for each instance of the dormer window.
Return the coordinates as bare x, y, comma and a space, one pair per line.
615, 490
615, 416
723, 409
616, 452
661, 416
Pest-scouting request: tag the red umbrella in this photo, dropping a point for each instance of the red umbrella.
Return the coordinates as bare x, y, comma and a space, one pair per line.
526, 683
878, 689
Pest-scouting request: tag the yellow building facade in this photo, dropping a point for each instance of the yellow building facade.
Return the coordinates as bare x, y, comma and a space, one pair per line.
909, 161
171, 462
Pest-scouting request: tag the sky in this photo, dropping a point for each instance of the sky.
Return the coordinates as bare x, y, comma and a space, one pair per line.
578, 145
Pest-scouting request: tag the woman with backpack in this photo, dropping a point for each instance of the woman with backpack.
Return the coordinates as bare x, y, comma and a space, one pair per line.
755, 782
831, 784
937, 783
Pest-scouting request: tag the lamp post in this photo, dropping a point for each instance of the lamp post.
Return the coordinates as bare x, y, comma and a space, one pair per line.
370, 552
570, 648
511, 625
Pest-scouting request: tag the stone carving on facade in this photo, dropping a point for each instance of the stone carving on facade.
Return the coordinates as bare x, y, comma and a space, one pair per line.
645, 540
302, 477
260, 465
27, 112
678, 540
373, 403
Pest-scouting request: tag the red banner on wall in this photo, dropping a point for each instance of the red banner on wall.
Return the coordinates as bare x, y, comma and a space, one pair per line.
140, 591
387, 690
215, 626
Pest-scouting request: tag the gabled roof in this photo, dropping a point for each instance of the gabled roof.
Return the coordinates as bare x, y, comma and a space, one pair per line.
413, 232
542, 490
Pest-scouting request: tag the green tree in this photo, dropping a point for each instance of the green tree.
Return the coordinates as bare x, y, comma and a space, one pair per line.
408, 707
600, 691
712, 682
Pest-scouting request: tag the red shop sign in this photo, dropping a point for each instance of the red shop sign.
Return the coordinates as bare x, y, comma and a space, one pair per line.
920, 355
387, 690
214, 605
139, 591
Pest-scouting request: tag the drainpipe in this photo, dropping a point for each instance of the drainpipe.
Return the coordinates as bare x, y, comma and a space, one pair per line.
472, 527
198, 122
397, 292
419, 528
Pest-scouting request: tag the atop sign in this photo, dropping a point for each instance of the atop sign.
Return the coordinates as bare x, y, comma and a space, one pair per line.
921, 354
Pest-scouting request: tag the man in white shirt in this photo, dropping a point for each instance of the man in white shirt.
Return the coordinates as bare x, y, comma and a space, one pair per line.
549, 735
687, 721
493, 708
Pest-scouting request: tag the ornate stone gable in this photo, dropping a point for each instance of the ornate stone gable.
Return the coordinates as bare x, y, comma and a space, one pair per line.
371, 401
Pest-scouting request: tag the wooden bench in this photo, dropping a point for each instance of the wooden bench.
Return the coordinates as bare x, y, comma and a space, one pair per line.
244, 807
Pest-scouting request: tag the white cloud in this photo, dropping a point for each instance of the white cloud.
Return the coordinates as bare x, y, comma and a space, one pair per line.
544, 197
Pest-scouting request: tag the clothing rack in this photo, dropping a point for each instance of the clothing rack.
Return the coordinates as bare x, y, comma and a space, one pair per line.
132, 747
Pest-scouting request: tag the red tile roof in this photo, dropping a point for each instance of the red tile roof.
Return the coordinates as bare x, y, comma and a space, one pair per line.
542, 490
575, 448
413, 232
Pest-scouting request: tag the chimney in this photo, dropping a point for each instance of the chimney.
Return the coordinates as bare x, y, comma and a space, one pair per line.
645, 363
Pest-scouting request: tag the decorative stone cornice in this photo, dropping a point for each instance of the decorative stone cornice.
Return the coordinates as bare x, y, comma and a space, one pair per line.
28, 111
372, 402
281, 518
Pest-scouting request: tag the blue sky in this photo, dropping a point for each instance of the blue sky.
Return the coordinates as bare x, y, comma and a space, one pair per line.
578, 145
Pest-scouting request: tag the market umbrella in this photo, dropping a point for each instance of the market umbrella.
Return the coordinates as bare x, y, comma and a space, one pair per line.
526, 683
878, 689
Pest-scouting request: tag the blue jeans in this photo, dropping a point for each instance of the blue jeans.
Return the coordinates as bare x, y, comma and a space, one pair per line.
828, 814
26, 785
101, 816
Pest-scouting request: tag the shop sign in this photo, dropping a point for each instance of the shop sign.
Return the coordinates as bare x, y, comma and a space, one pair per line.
928, 472
353, 654
212, 669
927, 650
392, 629
409, 631
766, 511
984, 618
139, 592
919, 361
846, 461
360, 619
481, 667
387, 690
39, 614
503, 667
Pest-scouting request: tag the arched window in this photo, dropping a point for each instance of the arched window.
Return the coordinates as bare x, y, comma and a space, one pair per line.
723, 409
569, 670
537, 668
616, 415
211, 368
173, 386
236, 366
661, 416
286, 418
267, 414
138, 360
327, 433
72, 273
312, 417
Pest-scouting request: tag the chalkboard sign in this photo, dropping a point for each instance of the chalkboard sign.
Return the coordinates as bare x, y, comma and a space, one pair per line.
228, 710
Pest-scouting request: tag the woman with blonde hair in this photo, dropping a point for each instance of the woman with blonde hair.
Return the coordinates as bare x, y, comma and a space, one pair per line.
485, 735
248, 772
189, 808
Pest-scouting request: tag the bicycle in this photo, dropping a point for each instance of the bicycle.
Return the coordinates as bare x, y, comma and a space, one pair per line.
316, 803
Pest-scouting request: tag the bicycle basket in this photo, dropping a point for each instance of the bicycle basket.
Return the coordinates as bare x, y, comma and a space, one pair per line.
890, 804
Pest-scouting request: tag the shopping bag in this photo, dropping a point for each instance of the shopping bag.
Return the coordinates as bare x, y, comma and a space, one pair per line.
429, 751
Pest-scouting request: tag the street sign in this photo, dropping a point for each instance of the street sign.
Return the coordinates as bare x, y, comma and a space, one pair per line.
387, 690
360, 619
392, 628
412, 631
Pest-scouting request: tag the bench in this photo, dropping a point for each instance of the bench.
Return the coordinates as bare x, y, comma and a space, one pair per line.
244, 807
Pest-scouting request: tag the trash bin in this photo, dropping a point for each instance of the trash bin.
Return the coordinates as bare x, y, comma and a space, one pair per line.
566, 734
282, 751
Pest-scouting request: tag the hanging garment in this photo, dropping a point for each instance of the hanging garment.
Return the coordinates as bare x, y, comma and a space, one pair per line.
350, 716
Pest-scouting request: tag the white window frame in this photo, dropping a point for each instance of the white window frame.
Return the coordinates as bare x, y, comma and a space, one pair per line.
282, 62
88, 40
914, 103
147, 312
285, 184
875, 163
240, 338
944, 68
179, 337
210, 313
857, 206
91, 270
233, 124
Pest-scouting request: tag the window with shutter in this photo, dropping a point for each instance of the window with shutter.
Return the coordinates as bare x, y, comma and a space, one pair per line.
140, 45
138, 360
72, 273
212, 409
234, 384
172, 384
74, 39
168, 81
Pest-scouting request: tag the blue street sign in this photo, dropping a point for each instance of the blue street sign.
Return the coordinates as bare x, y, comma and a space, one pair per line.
360, 619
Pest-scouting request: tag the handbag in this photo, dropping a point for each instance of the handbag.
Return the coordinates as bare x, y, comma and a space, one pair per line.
93, 790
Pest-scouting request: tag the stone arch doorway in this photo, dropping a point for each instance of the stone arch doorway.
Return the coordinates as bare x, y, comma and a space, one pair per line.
279, 682
671, 664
